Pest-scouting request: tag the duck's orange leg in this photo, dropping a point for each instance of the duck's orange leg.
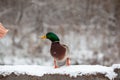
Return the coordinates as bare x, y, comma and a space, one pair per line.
55, 64
68, 61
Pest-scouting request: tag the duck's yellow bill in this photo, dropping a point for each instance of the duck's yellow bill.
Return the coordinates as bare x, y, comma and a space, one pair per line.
43, 37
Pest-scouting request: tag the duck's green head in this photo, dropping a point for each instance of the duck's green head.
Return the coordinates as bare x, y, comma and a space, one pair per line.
51, 36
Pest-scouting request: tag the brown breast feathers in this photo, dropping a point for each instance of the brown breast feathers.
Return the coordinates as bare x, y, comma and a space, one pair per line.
57, 51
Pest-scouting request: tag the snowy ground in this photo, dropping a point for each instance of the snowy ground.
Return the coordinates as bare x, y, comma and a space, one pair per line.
73, 70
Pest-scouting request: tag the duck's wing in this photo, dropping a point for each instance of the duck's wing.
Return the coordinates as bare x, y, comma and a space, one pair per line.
67, 50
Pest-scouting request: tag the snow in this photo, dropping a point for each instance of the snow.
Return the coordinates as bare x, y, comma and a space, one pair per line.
116, 66
73, 70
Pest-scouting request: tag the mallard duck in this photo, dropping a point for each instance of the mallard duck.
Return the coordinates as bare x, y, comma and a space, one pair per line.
59, 52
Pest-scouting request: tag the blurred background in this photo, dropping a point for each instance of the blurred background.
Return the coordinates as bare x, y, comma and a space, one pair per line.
91, 29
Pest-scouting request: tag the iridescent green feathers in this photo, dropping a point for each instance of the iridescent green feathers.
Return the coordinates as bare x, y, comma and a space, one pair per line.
52, 36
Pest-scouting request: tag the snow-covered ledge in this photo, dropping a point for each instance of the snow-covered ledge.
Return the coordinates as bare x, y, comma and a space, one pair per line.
73, 72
